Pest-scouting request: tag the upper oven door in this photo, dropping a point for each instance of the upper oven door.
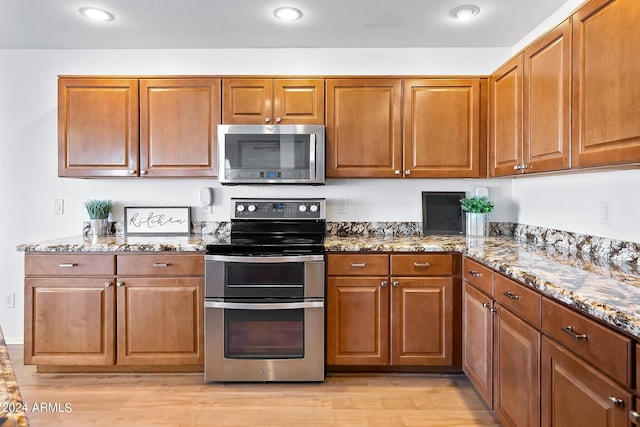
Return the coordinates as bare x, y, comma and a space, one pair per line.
271, 154
264, 276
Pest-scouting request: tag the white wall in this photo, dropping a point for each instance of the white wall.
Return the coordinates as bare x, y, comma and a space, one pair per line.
28, 142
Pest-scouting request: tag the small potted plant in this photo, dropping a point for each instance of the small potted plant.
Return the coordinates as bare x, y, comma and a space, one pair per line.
98, 211
477, 209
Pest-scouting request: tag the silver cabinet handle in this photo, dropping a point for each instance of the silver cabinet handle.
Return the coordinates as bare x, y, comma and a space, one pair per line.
383, 283
423, 264
67, 265
634, 417
161, 264
407, 172
119, 284
511, 295
397, 171
267, 119
569, 331
517, 167
486, 305
278, 119
359, 265
396, 283
474, 273
107, 284
132, 171
616, 401
143, 172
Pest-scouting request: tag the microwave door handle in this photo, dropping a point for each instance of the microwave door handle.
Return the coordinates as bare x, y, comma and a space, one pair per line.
312, 155
264, 306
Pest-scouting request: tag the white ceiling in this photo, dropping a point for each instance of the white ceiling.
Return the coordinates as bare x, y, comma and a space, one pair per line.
165, 24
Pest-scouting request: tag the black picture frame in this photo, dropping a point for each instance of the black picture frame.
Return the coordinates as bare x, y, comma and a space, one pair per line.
442, 212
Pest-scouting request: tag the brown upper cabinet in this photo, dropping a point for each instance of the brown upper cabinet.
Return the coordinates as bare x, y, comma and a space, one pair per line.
275, 101
130, 127
606, 88
530, 107
442, 121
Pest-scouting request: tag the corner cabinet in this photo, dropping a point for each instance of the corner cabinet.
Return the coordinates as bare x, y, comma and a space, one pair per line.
272, 101
443, 125
391, 310
110, 127
606, 88
88, 311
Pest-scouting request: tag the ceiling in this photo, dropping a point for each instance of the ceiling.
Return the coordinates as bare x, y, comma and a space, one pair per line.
166, 24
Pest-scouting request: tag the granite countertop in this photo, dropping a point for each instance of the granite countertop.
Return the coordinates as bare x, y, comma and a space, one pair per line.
604, 289
11, 405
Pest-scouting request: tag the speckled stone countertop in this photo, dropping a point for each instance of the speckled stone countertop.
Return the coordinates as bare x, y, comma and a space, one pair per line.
604, 289
11, 405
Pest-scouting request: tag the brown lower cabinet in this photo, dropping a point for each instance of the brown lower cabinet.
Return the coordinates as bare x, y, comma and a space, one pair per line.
390, 310
80, 312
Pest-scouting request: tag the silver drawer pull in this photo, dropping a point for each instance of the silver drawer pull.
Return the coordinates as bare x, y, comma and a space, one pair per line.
634, 417
486, 305
424, 264
359, 265
161, 264
616, 401
67, 265
569, 331
511, 295
383, 283
474, 273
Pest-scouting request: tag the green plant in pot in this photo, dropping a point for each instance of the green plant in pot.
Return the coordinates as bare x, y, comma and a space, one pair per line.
98, 211
477, 215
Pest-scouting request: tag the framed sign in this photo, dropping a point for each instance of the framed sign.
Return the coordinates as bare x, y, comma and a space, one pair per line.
442, 212
175, 220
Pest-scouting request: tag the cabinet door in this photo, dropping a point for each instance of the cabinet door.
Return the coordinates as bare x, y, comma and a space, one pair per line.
358, 321
577, 395
160, 321
516, 370
506, 118
69, 321
178, 125
477, 341
246, 101
442, 128
97, 127
298, 102
422, 321
547, 101
364, 128
606, 88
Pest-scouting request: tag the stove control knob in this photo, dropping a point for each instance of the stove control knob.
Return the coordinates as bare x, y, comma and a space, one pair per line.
314, 208
252, 208
240, 208
302, 208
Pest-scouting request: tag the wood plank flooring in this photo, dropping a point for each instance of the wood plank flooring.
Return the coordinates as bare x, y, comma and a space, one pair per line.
184, 400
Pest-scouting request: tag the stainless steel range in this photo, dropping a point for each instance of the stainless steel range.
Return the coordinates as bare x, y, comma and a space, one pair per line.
264, 293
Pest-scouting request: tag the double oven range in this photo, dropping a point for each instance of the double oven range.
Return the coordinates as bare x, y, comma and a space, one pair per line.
264, 293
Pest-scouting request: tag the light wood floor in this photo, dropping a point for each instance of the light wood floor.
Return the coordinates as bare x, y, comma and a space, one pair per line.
184, 400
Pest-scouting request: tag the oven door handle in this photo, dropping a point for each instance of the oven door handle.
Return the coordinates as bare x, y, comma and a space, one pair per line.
264, 260
265, 306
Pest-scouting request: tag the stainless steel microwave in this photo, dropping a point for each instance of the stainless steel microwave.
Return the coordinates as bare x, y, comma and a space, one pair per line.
271, 154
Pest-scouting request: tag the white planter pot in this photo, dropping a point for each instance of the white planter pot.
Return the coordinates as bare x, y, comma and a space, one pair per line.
477, 224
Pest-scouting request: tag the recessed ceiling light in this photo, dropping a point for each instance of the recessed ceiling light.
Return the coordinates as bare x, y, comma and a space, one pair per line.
288, 13
96, 14
464, 13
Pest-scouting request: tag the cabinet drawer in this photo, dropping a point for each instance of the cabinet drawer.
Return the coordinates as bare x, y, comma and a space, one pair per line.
69, 264
422, 265
598, 344
161, 265
478, 275
518, 299
357, 265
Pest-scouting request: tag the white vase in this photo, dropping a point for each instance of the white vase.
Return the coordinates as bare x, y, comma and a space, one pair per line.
98, 226
477, 224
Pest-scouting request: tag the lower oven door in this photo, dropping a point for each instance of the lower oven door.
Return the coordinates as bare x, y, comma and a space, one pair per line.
275, 340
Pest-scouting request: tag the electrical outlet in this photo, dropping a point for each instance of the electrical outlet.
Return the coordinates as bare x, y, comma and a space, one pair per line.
58, 206
9, 299
605, 212
343, 206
